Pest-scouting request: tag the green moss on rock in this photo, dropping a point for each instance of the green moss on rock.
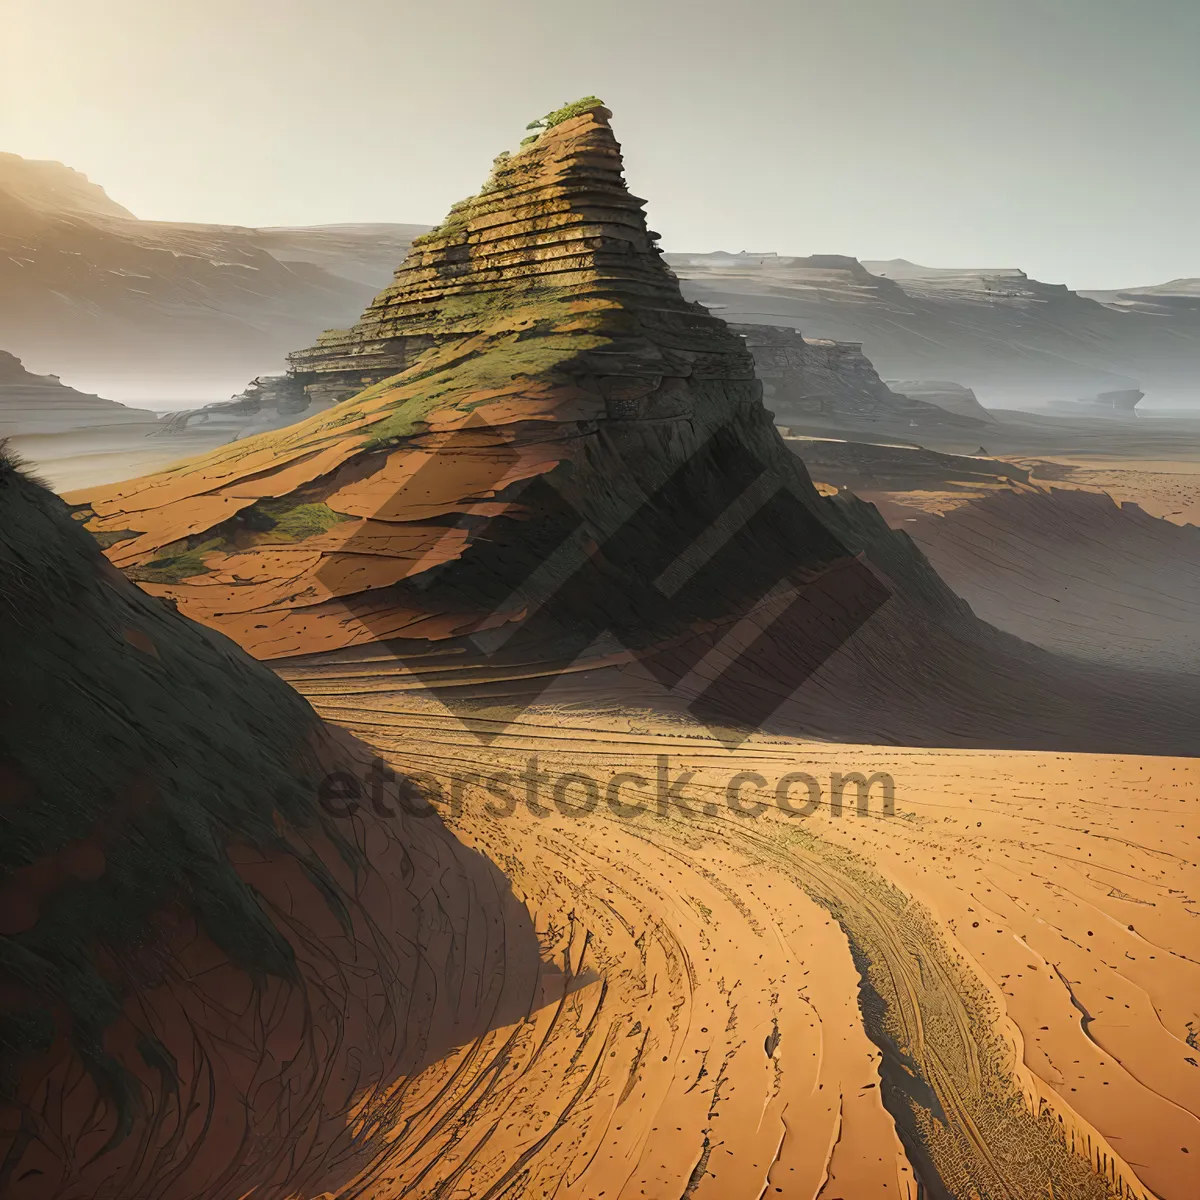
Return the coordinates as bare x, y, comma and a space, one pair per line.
573, 109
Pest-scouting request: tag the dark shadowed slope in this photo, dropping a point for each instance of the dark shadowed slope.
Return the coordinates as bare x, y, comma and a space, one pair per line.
208, 985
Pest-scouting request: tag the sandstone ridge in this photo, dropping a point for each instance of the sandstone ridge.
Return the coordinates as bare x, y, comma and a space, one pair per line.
543, 445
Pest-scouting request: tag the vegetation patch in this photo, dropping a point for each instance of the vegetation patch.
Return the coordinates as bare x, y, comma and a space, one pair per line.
112, 537
455, 222
559, 115
290, 521
179, 561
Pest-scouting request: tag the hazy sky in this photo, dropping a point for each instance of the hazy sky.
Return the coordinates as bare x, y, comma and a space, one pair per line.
1060, 136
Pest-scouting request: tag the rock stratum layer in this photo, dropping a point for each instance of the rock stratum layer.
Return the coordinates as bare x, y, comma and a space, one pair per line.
554, 444
569, 478
818, 383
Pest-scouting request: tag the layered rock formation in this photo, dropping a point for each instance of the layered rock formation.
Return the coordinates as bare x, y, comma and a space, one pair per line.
553, 225
1017, 341
819, 383
267, 402
570, 459
31, 404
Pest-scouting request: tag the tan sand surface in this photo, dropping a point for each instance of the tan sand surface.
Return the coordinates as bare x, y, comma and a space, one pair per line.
1023, 930
1162, 487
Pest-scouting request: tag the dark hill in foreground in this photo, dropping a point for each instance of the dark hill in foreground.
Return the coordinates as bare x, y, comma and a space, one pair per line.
203, 973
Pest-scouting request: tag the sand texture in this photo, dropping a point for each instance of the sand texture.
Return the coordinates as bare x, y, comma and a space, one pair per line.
662, 825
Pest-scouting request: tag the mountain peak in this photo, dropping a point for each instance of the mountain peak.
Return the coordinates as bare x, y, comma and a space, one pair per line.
532, 377
552, 233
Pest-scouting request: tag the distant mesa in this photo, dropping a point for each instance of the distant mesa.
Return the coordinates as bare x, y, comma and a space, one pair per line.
1015, 341
157, 311
952, 397
39, 404
1177, 299
901, 268
50, 187
1120, 403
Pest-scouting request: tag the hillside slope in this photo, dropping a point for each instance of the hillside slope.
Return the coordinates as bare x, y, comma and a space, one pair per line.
554, 455
151, 310
552, 517
207, 981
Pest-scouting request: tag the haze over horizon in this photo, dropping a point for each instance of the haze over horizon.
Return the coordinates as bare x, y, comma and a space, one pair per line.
1060, 140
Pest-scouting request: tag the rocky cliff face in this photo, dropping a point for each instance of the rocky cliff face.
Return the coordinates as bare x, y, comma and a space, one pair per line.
1017, 341
554, 228
43, 404
553, 458
822, 384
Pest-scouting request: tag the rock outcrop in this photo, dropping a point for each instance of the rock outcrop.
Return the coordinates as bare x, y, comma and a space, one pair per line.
557, 460
953, 397
31, 404
553, 225
819, 383
267, 402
